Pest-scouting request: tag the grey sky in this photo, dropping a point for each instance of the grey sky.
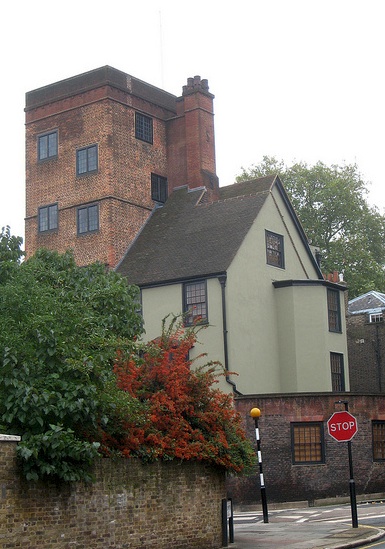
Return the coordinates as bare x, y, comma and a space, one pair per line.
297, 79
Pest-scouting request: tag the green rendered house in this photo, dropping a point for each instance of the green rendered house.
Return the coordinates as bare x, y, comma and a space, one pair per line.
238, 259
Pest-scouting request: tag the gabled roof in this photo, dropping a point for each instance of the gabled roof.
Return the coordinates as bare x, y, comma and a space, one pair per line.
370, 302
189, 237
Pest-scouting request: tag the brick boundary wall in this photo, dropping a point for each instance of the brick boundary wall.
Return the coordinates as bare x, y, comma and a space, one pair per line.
287, 482
130, 505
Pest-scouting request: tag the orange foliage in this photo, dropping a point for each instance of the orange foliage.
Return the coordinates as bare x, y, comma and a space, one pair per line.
186, 416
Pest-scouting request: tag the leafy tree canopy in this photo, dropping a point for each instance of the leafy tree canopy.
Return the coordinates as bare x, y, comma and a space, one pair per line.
331, 202
76, 384
60, 326
10, 251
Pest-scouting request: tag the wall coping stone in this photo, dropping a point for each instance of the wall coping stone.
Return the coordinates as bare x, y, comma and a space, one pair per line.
10, 438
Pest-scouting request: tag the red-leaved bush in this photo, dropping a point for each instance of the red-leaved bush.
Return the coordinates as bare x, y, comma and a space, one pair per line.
176, 411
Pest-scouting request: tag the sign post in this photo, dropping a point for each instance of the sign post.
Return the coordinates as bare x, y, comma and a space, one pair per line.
342, 426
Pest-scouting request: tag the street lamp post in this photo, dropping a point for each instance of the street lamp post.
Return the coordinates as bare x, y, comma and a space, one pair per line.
255, 414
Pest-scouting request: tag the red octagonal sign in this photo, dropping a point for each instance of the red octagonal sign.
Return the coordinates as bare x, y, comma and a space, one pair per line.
342, 426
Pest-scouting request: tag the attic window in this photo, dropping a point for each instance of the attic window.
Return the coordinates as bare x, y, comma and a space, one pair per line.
376, 317
274, 250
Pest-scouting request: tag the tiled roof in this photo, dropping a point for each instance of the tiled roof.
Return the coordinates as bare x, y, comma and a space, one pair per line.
188, 237
367, 303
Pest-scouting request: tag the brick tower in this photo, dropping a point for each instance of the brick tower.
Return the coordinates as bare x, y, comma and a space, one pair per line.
103, 149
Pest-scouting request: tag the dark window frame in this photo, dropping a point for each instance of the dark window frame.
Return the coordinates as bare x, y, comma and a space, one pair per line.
51, 218
90, 164
275, 251
45, 144
309, 446
378, 440
334, 310
144, 128
338, 377
88, 209
195, 309
159, 188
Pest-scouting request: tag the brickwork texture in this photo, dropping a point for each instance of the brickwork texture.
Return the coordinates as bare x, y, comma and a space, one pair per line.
287, 482
130, 505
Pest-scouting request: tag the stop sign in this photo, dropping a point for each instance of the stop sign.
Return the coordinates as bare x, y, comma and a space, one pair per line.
342, 426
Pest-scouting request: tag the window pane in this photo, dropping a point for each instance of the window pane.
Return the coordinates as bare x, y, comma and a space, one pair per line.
92, 159
334, 315
48, 218
274, 249
158, 188
52, 144
378, 428
82, 161
47, 145
143, 127
82, 220
195, 302
337, 372
92, 218
88, 219
307, 443
52, 217
43, 147
43, 219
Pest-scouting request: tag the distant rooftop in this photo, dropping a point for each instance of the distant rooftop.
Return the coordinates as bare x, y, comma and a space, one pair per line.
371, 302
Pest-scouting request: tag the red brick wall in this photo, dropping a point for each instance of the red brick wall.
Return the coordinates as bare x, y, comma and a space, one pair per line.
121, 187
130, 505
287, 482
87, 110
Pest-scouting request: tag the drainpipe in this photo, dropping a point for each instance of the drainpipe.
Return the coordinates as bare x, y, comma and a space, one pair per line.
378, 358
222, 280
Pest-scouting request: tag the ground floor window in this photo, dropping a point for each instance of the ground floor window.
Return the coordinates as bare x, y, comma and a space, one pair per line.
378, 433
307, 442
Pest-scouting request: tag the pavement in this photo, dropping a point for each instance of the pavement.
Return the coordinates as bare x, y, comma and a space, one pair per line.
252, 533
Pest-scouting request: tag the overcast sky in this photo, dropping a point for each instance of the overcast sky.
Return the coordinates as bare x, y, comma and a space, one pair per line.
296, 79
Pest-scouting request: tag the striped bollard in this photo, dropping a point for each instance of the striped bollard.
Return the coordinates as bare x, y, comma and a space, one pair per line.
255, 413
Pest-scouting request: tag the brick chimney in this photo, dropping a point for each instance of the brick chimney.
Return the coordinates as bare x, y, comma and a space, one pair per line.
191, 140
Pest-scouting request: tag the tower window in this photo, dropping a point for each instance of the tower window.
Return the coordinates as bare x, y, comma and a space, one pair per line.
88, 219
47, 146
48, 218
87, 160
158, 188
143, 127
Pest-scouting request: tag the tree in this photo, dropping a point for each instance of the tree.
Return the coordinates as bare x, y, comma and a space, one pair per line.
332, 206
60, 327
10, 252
76, 383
